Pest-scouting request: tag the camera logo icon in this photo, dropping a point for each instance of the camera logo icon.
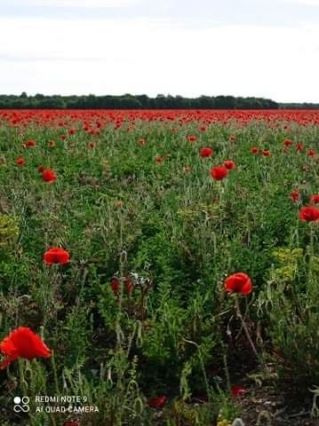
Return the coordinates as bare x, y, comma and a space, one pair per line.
21, 404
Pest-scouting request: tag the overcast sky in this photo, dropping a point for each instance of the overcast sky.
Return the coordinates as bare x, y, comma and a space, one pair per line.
267, 48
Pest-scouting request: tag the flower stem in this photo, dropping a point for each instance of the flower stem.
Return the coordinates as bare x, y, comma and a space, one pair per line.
22, 380
239, 315
55, 375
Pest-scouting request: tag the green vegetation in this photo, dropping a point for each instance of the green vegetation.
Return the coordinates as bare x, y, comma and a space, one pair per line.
175, 234
128, 101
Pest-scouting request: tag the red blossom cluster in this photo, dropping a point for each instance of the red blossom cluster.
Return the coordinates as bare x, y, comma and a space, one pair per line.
95, 120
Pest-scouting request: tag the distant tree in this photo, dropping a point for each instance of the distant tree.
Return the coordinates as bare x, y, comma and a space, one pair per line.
128, 101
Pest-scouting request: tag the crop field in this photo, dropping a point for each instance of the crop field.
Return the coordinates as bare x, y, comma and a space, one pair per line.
159, 267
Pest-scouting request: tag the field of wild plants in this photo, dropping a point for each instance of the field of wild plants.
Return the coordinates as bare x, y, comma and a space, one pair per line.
159, 268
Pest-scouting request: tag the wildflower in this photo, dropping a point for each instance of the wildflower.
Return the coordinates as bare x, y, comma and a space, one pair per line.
191, 138
238, 283
237, 390
266, 153
22, 343
314, 198
56, 255
287, 142
295, 195
128, 285
309, 214
20, 161
9, 230
115, 285
229, 164
29, 144
157, 401
254, 150
159, 159
49, 175
206, 152
218, 172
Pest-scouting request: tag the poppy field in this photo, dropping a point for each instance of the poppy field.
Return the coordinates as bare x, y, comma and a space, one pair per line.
159, 267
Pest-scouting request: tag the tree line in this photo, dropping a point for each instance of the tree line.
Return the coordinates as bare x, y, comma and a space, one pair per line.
128, 101
304, 105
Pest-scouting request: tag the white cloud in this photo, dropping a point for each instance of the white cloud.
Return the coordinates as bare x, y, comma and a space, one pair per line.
143, 56
304, 2
81, 3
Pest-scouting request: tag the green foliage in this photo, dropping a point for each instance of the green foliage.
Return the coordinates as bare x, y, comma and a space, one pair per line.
128, 101
9, 230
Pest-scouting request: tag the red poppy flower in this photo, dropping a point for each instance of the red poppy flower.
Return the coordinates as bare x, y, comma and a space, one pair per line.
309, 214
192, 138
254, 150
49, 175
157, 401
287, 142
128, 285
115, 285
159, 159
314, 198
20, 161
218, 172
295, 195
229, 164
92, 145
206, 152
238, 283
311, 153
56, 255
237, 390
299, 147
23, 343
30, 144
266, 153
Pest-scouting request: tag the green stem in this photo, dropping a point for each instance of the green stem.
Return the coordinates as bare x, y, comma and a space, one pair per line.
22, 381
55, 375
311, 251
239, 315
